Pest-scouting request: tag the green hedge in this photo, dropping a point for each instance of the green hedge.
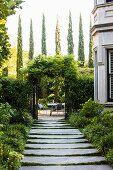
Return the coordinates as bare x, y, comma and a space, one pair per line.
16, 93
81, 90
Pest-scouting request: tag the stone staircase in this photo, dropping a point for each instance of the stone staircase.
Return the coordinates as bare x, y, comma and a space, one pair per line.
55, 145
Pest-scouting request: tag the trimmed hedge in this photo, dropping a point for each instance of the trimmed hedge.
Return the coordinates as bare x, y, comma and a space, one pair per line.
16, 93
81, 90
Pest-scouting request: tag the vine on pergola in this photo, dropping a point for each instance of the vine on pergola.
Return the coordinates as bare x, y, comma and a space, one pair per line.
57, 66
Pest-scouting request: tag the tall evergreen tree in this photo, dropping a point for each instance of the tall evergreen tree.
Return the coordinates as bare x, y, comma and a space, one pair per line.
70, 36
43, 41
57, 39
19, 50
81, 56
31, 42
90, 62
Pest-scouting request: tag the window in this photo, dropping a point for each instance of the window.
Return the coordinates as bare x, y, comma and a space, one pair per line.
109, 0
110, 75
96, 76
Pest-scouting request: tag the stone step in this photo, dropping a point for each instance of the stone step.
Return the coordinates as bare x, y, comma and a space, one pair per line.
63, 160
77, 167
56, 136
55, 131
60, 151
52, 146
50, 122
56, 140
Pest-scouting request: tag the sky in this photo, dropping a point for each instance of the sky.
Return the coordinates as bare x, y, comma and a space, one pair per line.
33, 9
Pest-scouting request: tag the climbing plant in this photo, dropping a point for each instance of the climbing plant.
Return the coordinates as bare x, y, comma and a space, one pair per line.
57, 66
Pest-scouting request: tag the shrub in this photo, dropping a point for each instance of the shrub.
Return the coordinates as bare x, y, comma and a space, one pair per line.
106, 143
81, 90
22, 117
94, 132
91, 108
107, 118
4, 113
78, 121
14, 160
16, 93
109, 156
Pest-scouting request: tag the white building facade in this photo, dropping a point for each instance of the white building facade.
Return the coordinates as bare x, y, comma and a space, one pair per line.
103, 51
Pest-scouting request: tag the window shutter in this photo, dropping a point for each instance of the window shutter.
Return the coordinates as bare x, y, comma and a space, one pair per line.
111, 74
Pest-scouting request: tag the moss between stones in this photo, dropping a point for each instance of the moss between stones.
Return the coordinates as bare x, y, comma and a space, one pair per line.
88, 154
52, 134
69, 164
89, 147
29, 142
53, 138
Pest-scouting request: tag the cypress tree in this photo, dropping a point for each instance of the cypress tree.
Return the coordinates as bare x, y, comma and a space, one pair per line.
57, 39
43, 41
81, 56
70, 36
90, 62
19, 50
31, 42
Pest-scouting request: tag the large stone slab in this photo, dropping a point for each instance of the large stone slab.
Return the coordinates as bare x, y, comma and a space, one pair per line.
77, 145
76, 167
56, 140
56, 136
55, 131
50, 121
60, 151
63, 160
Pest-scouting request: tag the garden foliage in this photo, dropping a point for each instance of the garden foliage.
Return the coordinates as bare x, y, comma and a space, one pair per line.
98, 126
12, 136
16, 93
81, 90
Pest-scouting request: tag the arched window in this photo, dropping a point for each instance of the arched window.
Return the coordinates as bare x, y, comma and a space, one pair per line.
109, 0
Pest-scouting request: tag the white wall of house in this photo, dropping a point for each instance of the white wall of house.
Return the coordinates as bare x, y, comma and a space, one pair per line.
103, 40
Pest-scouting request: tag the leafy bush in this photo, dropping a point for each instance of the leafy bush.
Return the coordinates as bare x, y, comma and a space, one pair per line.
107, 118
16, 93
94, 131
22, 117
13, 136
4, 113
91, 108
109, 156
78, 121
14, 160
81, 90
106, 143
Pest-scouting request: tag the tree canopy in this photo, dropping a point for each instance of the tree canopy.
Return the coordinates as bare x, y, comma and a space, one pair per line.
63, 66
7, 8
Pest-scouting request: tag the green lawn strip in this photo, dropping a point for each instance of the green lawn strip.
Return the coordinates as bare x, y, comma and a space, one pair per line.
88, 154
30, 142
51, 134
68, 164
53, 138
89, 147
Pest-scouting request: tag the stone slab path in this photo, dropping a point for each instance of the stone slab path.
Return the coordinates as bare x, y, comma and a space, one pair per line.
55, 145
